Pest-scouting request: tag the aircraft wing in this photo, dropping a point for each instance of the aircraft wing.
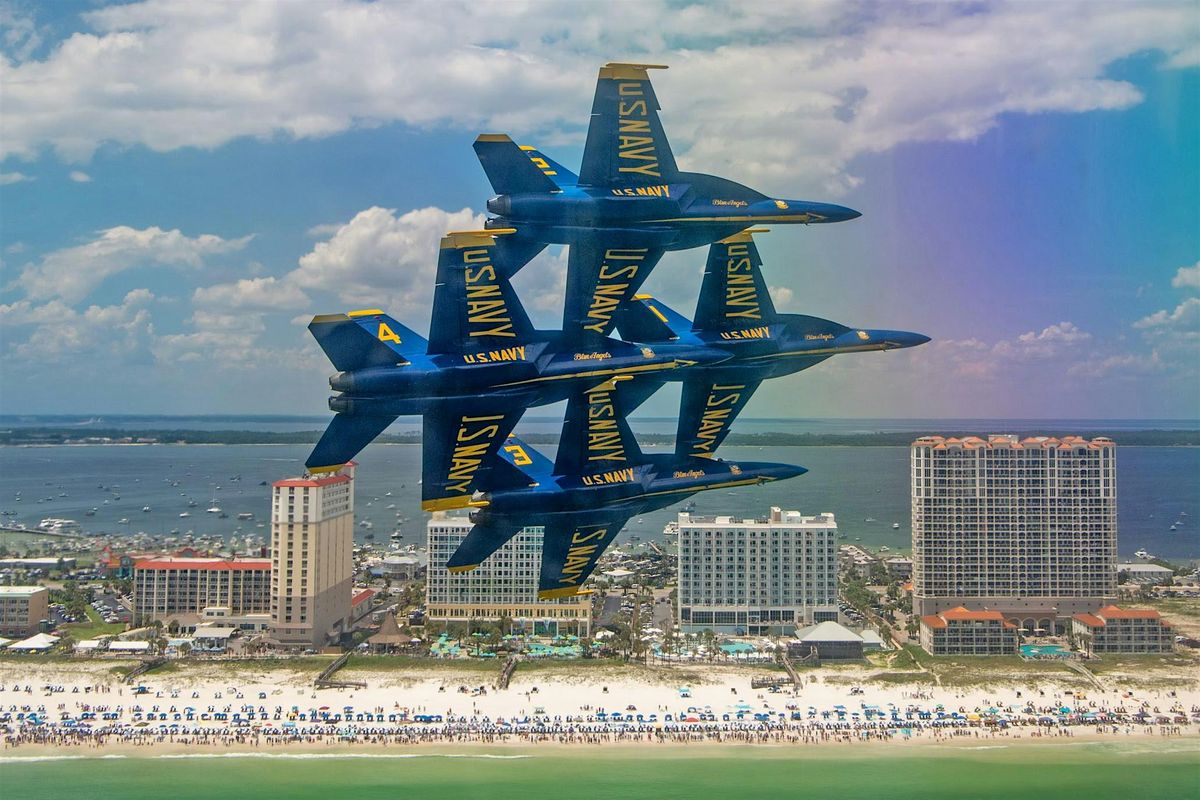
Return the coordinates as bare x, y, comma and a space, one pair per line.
572, 544
707, 411
626, 145
460, 439
601, 277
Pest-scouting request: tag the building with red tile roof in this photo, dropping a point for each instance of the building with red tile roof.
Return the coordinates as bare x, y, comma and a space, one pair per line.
963, 632
1112, 629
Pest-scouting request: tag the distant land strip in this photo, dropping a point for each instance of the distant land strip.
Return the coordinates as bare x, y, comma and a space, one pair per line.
119, 436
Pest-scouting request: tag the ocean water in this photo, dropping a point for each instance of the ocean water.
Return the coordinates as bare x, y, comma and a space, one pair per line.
1157, 487
1095, 771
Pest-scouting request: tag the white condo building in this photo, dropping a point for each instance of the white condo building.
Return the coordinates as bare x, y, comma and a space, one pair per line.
766, 576
1026, 527
503, 586
312, 570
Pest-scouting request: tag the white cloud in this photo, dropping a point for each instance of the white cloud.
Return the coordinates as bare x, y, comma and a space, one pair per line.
1184, 318
1187, 277
63, 334
379, 260
78, 176
840, 79
1050, 342
7, 178
74, 272
1123, 365
259, 293
781, 296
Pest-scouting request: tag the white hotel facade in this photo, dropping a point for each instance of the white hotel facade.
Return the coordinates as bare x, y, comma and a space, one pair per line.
1027, 527
504, 586
759, 576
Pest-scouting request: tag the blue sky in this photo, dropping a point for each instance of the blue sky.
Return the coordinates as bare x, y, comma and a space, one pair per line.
183, 185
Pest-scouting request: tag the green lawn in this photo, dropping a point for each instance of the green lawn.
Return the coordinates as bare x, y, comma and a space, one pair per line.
94, 627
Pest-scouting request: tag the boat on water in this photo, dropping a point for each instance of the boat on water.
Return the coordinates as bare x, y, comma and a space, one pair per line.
869, 519
59, 525
245, 515
883, 548
1142, 553
366, 523
213, 510
671, 529
895, 526
123, 521
145, 509
186, 514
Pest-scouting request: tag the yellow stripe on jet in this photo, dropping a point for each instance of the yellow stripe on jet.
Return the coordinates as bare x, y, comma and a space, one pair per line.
366, 312
598, 374
464, 568
461, 239
619, 71
560, 594
744, 236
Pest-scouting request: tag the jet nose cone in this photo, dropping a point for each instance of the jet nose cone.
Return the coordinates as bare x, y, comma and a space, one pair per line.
774, 472
905, 339
829, 212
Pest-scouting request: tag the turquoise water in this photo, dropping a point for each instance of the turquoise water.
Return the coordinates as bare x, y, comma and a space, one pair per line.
1031, 650
924, 772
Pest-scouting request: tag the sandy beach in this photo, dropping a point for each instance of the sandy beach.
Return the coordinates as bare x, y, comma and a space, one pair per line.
73, 708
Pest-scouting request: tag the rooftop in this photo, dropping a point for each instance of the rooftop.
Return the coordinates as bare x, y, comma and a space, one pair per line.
219, 564
20, 591
1010, 441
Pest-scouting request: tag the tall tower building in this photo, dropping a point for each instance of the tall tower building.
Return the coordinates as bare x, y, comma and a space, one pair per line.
757, 576
1027, 527
312, 539
503, 586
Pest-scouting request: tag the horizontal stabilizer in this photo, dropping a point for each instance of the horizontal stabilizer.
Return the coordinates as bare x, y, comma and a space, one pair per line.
346, 435
508, 168
481, 542
571, 547
364, 339
649, 321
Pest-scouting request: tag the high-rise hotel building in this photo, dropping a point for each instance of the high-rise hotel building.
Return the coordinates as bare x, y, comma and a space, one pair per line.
503, 586
312, 542
765, 576
1027, 527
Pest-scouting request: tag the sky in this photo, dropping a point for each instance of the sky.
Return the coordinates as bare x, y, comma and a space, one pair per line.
184, 185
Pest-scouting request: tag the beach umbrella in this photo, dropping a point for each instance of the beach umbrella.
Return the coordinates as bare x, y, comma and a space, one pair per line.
1064, 710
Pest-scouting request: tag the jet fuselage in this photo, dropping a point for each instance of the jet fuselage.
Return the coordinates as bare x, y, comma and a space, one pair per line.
674, 216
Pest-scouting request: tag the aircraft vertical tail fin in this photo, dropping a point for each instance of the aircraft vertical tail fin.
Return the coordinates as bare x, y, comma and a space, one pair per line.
596, 437
571, 546
475, 308
563, 178
459, 442
368, 338
650, 321
481, 542
626, 145
508, 169
707, 409
733, 293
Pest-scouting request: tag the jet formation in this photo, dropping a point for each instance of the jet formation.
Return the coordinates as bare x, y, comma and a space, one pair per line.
484, 364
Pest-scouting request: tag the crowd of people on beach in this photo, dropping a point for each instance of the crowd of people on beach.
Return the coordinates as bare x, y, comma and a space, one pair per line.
100, 715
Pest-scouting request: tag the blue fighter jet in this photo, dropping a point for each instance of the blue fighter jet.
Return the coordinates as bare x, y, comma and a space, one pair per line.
735, 314
482, 366
599, 479
628, 205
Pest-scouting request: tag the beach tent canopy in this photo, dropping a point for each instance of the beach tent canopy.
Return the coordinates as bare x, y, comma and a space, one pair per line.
5, 642
42, 641
88, 644
128, 647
